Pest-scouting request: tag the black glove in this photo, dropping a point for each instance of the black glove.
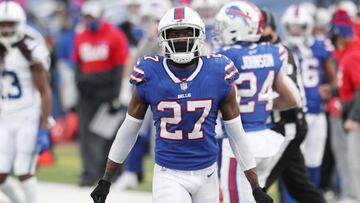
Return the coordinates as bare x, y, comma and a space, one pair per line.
261, 196
101, 191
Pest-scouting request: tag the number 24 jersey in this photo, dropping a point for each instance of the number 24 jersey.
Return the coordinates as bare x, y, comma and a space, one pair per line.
184, 111
258, 65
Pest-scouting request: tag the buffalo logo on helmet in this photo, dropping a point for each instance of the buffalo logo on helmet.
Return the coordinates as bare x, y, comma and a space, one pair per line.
234, 12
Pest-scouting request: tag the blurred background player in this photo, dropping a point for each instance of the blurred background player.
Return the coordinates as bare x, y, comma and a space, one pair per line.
25, 102
100, 52
240, 27
317, 68
186, 149
207, 10
290, 123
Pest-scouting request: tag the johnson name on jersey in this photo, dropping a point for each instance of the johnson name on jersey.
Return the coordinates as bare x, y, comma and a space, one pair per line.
184, 111
17, 88
258, 65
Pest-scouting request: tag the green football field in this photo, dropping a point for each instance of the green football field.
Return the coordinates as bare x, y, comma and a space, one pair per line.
67, 169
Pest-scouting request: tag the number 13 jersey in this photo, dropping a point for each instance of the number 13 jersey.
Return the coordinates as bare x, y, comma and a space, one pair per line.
17, 87
184, 111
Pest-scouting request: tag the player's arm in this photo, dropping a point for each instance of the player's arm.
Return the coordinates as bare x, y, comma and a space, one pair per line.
330, 71
41, 81
233, 125
123, 143
237, 138
289, 95
330, 88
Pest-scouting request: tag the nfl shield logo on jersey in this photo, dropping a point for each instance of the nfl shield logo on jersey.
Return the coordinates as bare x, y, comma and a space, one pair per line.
183, 86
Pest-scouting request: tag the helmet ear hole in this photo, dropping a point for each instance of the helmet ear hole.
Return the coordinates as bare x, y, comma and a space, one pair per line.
197, 32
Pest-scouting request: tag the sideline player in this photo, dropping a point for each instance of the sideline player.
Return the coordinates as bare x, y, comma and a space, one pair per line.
25, 101
291, 166
240, 26
317, 68
185, 91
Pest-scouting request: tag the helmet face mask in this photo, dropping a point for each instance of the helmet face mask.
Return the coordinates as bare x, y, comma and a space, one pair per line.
296, 30
181, 39
7, 29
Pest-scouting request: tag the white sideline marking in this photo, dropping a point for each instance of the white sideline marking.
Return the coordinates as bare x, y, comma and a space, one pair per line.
60, 193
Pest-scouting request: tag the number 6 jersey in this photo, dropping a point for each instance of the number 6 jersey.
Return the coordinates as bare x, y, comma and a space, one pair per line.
17, 87
184, 111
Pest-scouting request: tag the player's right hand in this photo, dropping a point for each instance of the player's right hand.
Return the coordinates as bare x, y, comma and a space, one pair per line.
101, 191
261, 196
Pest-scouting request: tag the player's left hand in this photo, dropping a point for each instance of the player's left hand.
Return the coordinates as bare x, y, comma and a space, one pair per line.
261, 196
351, 124
43, 140
101, 191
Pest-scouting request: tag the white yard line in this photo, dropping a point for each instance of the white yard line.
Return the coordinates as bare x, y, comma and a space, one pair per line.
60, 193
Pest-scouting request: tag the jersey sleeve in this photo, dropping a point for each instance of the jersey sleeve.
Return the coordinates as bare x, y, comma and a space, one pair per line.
137, 78
283, 60
41, 54
231, 74
38, 49
328, 48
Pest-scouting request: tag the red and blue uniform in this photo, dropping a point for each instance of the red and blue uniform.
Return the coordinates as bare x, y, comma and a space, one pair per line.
258, 65
312, 64
184, 109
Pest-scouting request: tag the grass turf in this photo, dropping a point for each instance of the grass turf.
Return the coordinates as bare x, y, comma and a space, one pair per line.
67, 169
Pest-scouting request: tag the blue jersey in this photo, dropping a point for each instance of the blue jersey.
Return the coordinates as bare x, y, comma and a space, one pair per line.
258, 65
312, 61
184, 111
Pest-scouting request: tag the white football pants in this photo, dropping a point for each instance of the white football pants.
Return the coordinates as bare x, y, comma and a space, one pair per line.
177, 186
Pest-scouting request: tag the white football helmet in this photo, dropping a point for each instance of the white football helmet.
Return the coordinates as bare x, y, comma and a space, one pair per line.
238, 21
322, 18
12, 12
207, 9
177, 19
349, 7
92, 8
297, 24
310, 8
155, 8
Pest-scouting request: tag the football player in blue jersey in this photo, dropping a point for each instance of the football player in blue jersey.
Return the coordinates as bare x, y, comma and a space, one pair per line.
317, 68
185, 91
239, 25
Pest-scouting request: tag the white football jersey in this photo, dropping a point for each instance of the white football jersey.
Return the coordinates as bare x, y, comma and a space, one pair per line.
17, 88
